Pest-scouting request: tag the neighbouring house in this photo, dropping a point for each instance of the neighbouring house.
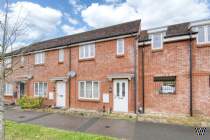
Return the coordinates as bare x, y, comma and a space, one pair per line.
120, 68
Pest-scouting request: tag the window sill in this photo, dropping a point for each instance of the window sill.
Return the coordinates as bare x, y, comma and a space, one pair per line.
60, 62
157, 50
167, 93
8, 68
203, 45
36, 96
8, 95
120, 55
86, 59
89, 100
37, 65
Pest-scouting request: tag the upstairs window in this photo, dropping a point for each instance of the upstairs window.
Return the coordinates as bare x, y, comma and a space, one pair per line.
61, 55
120, 47
157, 41
39, 58
165, 84
203, 35
8, 62
8, 90
87, 51
40, 89
22, 60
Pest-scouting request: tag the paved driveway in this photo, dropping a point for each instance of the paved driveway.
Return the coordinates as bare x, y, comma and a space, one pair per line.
130, 130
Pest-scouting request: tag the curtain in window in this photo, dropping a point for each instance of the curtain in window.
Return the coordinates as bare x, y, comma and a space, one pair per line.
82, 89
201, 34
95, 90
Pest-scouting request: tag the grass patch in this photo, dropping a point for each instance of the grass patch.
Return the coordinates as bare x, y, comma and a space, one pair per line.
21, 131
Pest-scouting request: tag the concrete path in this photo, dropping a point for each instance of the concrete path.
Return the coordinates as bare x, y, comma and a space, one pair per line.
130, 130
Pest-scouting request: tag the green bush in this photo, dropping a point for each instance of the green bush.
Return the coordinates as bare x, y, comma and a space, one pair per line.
30, 102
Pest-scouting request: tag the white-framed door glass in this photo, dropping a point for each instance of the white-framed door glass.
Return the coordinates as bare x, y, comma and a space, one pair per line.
120, 96
60, 94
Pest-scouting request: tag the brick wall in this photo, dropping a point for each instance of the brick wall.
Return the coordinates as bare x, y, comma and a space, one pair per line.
173, 60
105, 63
201, 85
40, 73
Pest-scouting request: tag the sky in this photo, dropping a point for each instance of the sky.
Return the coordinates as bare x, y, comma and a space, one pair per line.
46, 19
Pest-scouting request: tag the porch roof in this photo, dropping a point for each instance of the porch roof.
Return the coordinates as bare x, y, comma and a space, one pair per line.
120, 76
59, 78
23, 78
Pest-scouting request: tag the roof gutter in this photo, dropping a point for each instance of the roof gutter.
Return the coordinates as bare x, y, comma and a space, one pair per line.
170, 39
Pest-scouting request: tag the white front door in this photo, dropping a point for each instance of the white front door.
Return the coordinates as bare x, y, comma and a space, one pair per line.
120, 96
60, 92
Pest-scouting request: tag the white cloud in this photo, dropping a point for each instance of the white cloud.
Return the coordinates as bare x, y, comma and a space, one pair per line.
153, 13
76, 5
103, 15
39, 22
68, 30
73, 21
70, 19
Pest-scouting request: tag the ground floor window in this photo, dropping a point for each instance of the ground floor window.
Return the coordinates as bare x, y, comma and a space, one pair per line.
88, 89
40, 89
8, 89
165, 84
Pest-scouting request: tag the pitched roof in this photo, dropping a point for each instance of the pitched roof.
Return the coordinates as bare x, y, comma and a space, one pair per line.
102, 33
172, 30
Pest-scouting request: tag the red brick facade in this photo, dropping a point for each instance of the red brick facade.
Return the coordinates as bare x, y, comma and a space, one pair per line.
172, 60
106, 62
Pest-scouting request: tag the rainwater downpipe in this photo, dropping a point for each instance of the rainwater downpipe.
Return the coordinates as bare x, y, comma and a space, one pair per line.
190, 74
142, 63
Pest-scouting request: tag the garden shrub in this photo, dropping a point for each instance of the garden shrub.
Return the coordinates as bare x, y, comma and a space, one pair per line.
30, 102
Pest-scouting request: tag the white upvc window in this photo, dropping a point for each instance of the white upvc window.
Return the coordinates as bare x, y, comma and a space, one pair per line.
40, 89
8, 62
120, 47
61, 55
157, 41
8, 89
87, 51
39, 58
89, 90
22, 60
203, 35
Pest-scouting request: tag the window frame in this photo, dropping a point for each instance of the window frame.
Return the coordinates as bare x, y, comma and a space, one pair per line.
61, 55
85, 91
6, 93
86, 47
41, 60
163, 80
8, 62
162, 40
22, 60
117, 46
38, 95
206, 34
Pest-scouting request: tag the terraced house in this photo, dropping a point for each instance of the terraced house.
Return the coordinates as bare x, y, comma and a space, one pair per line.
120, 68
